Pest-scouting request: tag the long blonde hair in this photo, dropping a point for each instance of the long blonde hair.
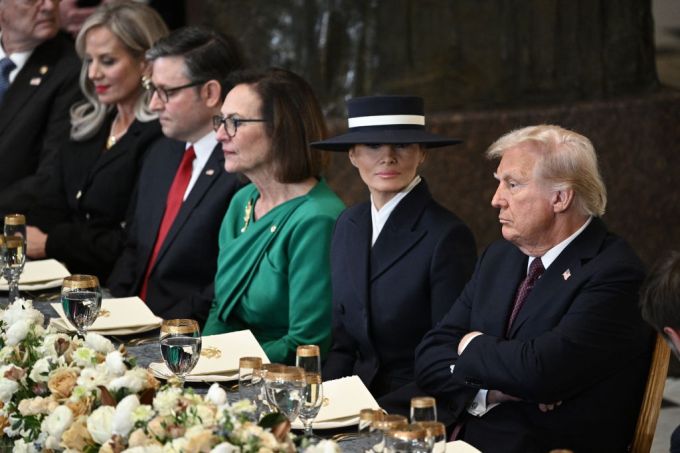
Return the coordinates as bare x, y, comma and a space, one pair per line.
138, 27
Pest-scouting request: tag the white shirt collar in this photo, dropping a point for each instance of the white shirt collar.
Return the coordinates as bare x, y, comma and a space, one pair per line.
203, 149
18, 58
552, 254
379, 217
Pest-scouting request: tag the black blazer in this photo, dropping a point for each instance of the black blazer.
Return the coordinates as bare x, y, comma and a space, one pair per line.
85, 205
579, 339
180, 283
34, 121
386, 297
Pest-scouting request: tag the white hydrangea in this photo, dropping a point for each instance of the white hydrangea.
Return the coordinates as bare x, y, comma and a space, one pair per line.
17, 331
100, 424
123, 421
115, 363
41, 370
134, 380
216, 395
84, 357
99, 343
22, 310
166, 400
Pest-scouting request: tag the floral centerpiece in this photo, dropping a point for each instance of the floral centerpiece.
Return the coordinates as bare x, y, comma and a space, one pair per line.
64, 393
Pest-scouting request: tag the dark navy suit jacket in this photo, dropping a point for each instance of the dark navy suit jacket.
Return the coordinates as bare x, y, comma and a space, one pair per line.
386, 297
579, 339
180, 283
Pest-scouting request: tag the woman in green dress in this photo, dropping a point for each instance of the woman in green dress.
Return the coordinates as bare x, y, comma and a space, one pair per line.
273, 270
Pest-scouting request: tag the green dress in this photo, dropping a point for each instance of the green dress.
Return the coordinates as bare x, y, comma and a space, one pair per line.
273, 274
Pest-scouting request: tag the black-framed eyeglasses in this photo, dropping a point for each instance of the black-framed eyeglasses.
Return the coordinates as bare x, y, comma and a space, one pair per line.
165, 93
231, 123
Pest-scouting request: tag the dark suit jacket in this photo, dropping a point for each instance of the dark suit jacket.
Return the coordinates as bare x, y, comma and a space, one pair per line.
579, 339
385, 298
675, 441
180, 283
34, 121
86, 203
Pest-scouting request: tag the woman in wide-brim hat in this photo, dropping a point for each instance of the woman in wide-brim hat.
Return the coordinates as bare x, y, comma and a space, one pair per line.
398, 261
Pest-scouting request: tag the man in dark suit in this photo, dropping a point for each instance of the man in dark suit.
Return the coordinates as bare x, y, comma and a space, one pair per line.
183, 190
38, 84
545, 348
660, 302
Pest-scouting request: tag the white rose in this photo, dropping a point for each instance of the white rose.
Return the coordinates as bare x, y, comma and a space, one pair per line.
57, 422
165, 401
225, 447
17, 332
90, 378
84, 357
7, 389
142, 413
216, 395
41, 370
115, 364
100, 423
122, 419
99, 343
134, 380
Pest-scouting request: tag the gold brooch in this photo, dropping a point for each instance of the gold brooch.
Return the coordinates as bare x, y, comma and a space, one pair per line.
246, 217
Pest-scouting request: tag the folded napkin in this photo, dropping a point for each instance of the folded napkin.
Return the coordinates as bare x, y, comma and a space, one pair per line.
122, 316
220, 355
343, 400
458, 446
37, 274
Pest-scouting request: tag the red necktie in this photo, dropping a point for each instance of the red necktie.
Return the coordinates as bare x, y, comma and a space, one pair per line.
536, 269
172, 205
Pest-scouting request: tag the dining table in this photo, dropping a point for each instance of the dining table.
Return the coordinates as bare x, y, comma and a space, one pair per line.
145, 348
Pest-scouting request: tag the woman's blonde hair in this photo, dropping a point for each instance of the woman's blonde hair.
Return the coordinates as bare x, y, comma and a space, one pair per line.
138, 27
568, 160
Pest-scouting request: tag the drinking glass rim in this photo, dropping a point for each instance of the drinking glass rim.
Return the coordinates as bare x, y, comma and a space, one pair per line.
79, 281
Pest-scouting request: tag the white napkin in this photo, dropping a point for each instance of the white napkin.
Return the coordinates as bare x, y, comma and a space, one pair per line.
121, 316
458, 446
343, 400
39, 273
220, 355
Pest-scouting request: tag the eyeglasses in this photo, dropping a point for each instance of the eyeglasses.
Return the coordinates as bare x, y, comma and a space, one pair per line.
165, 93
231, 123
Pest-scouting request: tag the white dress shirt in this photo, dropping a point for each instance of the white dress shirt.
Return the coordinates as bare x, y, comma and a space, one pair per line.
203, 149
379, 217
18, 58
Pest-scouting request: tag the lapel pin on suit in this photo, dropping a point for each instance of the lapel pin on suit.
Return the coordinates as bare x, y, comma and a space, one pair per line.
43, 70
209, 172
35, 81
566, 274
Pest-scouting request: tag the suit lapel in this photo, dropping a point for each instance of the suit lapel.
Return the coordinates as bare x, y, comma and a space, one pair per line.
359, 233
399, 235
501, 295
35, 73
210, 173
119, 149
563, 273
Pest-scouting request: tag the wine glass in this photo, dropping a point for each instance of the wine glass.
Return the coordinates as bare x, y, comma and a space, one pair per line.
423, 409
14, 258
383, 426
180, 346
261, 402
311, 403
308, 358
15, 225
411, 438
248, 379
81, 299
436, 434
286, 390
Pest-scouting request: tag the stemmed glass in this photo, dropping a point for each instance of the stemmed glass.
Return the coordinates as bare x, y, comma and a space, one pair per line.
180, 346
15, 225
286, 390
262, 404
81, 299
311, 403
248, 377
423, 409
308, 358
14, 252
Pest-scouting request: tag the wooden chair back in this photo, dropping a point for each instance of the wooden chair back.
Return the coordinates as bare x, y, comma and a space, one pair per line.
651, 401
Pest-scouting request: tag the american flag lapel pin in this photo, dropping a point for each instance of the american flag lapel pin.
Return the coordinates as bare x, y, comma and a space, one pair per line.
566, 274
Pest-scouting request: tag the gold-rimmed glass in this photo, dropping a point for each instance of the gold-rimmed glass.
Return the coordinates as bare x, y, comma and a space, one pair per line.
15, 225
180, 341
15, 254
407, 439
248, 377
286, 390
423, 409
81, 299
262, 404
389, 422
312, 402
308, 357
436, 435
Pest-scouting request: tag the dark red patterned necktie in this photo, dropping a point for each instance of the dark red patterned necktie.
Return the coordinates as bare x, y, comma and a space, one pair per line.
536, 269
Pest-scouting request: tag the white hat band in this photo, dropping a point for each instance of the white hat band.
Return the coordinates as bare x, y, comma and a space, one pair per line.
386, 120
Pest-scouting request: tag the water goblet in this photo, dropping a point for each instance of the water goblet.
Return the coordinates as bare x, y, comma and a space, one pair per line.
248, 379
311, 403
388, 423
407, 439
262, 404
15, 225
436, 434
81, 299
423, 409
286, 390
308, 358
180, 341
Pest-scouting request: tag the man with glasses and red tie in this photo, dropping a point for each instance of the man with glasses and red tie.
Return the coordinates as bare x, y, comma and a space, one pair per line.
545, 348
183, 192
38, 84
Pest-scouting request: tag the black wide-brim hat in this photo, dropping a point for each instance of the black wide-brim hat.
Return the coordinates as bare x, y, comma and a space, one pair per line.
377, 120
